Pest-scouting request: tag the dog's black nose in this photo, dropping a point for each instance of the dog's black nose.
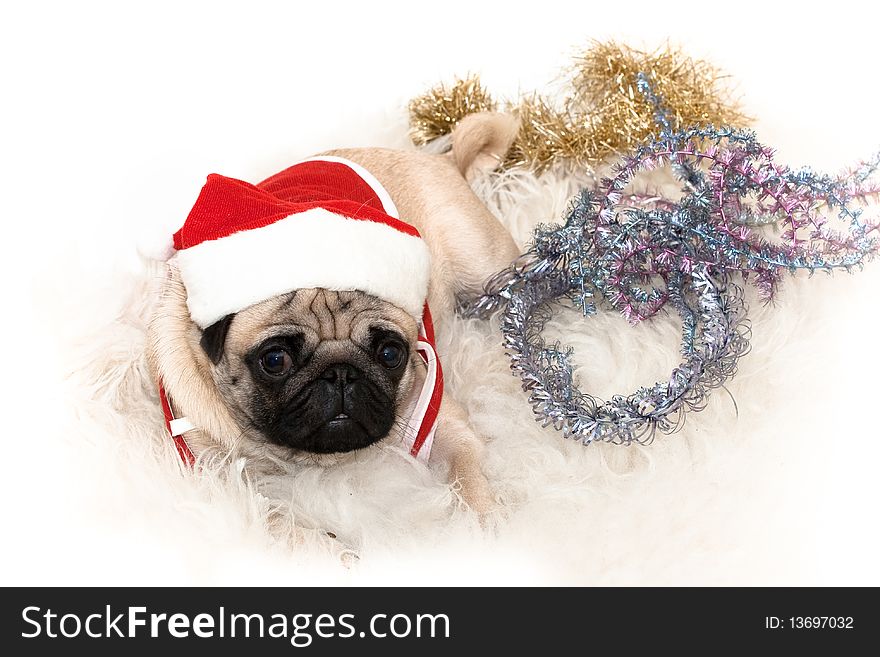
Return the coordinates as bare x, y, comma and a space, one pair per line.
341, 373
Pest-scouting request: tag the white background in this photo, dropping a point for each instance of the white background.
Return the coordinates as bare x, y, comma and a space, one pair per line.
112, 114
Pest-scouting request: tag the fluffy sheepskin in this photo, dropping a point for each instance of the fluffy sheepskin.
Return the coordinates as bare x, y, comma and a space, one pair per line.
772, 483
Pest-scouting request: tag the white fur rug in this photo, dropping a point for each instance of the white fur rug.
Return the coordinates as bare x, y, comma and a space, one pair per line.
776, 488
779, 487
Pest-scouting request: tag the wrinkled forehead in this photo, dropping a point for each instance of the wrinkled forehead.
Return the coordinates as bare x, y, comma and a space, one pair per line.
319, 315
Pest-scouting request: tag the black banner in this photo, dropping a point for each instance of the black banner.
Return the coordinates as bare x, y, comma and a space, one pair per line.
397, 621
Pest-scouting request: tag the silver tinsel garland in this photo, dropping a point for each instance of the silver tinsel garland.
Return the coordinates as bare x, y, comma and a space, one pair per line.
640, 257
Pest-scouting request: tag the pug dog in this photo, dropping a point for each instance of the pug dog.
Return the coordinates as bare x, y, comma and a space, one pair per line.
321, 371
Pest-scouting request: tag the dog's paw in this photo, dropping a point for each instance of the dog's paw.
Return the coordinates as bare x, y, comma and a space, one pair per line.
345, 554
476, 495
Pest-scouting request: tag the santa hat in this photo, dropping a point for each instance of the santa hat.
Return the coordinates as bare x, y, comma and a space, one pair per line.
324, 222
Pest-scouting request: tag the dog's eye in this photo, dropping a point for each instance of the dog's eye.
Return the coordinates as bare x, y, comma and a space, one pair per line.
390, 355
276, 362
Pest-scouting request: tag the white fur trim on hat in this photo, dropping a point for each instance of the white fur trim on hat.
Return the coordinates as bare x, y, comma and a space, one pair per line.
316, 248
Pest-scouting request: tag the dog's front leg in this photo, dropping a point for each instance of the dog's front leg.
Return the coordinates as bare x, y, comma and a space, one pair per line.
457, 444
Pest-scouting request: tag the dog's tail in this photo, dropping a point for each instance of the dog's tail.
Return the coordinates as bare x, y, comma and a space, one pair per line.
480, 142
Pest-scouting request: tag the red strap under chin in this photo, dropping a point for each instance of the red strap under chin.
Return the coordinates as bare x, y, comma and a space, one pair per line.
183, 449
427, 424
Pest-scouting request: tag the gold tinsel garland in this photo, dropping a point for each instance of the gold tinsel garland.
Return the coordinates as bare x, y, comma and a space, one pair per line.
604, 113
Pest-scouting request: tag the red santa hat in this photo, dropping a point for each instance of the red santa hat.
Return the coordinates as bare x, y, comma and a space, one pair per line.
324, 222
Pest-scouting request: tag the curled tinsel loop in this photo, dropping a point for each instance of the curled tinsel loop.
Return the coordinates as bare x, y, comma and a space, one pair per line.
715, 335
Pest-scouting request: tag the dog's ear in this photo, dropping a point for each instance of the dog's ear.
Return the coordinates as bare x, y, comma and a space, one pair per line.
214, 338
480, 142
